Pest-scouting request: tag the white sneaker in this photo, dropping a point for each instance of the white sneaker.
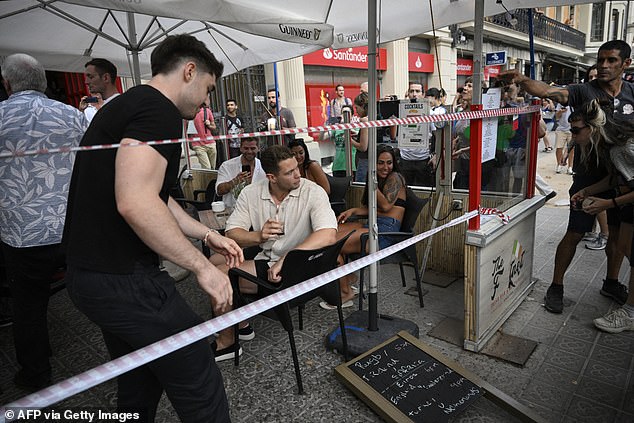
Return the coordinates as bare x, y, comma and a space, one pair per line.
590, 236
570, 171
599, 243
615, 321
559, 169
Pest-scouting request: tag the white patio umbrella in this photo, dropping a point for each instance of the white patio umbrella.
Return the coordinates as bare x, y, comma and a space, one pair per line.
63, 35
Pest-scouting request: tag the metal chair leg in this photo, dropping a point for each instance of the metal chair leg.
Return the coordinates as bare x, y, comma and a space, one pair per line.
361, 292
298, 375
419, 286
400, 265
342, 325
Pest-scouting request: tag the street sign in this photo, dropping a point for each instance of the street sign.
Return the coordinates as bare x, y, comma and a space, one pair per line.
495, 58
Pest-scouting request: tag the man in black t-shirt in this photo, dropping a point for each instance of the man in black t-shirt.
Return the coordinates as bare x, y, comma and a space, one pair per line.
613, 58
120, 219
235, 126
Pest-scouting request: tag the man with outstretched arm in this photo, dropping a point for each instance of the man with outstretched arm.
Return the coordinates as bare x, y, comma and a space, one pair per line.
121, 218
613, 58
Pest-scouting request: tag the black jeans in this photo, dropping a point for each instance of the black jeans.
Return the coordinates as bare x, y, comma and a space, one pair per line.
30, 272
135, 310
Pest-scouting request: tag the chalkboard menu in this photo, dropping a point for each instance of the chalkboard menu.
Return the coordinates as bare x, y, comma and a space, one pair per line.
403, 382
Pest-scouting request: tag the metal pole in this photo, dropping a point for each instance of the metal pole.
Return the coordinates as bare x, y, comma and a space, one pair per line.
373, 316
278, 118
531, 42
345, 116
134, 49
475, 167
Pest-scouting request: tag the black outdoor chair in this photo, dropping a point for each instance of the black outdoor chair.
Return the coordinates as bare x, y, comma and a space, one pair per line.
209, 193
413, 206
338, 189
299, 265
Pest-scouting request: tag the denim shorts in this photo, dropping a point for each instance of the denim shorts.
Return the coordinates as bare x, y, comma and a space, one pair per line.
386, 224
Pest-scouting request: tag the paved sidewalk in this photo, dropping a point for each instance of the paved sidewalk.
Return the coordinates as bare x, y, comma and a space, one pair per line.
576, 374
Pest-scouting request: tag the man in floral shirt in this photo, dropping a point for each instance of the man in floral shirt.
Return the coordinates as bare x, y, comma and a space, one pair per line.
33, 194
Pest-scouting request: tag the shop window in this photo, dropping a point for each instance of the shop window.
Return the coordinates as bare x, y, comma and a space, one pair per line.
598, 19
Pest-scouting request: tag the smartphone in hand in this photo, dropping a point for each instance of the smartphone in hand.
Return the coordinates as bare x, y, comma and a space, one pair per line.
91, 100
246, 168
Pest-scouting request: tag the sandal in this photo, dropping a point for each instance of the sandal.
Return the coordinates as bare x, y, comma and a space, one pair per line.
327, 306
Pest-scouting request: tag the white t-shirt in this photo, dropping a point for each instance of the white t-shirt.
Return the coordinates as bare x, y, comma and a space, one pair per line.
562, 123
230, 169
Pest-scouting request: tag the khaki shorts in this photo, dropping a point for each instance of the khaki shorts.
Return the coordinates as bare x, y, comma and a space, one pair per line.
562, 138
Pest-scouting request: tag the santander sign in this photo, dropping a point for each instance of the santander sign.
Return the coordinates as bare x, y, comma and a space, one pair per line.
356, 57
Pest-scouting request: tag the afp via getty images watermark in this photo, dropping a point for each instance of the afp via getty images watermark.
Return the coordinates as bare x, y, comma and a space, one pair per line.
71, 415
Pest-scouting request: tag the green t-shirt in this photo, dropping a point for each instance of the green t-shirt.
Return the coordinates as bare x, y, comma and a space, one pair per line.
339, 163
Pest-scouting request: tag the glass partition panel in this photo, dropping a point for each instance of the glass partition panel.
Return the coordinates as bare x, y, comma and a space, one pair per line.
505, 158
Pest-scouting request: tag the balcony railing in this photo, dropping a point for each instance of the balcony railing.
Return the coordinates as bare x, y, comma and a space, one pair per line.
543, 27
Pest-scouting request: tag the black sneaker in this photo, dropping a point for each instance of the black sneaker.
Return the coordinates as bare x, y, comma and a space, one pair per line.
225, 353
616, 291
246, 333
554, 299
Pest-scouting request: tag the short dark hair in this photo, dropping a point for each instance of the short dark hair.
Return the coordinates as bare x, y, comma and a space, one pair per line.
433, 92
272, 156
229, 100
590, 69
624, 49
277, 93
245, 139
104, 66
339, 85
175, 49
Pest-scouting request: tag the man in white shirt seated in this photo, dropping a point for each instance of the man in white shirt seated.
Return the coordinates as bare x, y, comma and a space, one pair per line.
233, 175
280, 214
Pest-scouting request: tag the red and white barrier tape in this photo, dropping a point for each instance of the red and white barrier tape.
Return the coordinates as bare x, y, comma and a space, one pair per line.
114, 368
493, 211
448, 117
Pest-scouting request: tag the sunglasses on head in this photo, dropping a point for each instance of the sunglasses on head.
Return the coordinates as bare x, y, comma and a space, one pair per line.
577, 129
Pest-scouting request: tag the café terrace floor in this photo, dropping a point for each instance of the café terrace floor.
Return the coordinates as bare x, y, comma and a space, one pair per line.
576, 373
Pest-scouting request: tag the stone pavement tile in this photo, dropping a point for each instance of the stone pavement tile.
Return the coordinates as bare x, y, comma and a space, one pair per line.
323, 410
565, 360
611, 356
603, 393
559, 377
622, 341
483, 410
583, 410
573, 345
248, 371
581, 330
543, 336
606, 373
513, 386
586, 312
546, 413
549, 321
546, 395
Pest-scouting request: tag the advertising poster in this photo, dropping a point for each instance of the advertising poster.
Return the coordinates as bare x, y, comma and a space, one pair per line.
490, 100
415, 135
